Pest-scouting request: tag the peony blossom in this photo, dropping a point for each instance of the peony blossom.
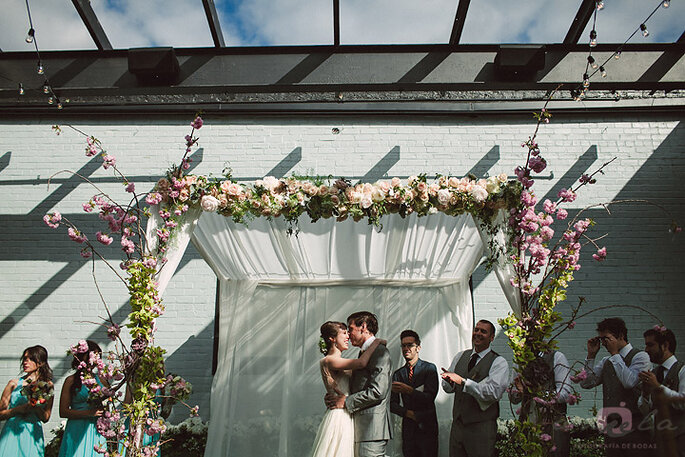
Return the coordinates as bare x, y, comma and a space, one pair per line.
197, 123
53, 220
103, 238
153, 198
601, 254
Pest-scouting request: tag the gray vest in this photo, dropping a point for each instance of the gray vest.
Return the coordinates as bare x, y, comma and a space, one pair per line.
465, 406
672, 381
613, 390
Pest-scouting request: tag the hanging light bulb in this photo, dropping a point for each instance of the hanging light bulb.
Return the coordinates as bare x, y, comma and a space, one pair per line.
666, 4
645, 32
603, 71
586, 80
39, 68
593, 38
59, 105
51, 100
591, 61
21, 89
600, 5
32, 33
617, 55
46, 88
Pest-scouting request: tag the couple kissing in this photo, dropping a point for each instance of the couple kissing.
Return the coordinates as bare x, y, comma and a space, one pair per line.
357, 390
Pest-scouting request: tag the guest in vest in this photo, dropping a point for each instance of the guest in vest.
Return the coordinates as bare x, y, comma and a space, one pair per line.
414, 388
668, 376
618, 375
551, 371
478, 377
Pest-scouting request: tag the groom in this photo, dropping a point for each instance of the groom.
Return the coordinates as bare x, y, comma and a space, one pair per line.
370, 387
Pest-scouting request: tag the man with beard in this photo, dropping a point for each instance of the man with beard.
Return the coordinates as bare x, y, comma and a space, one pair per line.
414, 388
668, 376
478, 378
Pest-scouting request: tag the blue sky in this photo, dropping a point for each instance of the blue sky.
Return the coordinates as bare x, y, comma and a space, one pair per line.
182, 23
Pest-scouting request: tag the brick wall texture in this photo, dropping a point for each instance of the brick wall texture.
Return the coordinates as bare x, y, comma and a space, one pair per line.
49, 297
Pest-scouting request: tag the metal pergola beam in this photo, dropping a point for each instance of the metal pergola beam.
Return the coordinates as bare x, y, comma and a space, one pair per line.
336, 22
459, 20
90, 20
214, 23
580, 21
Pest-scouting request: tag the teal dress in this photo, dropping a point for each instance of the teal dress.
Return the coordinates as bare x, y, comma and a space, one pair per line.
22, 435
81, 435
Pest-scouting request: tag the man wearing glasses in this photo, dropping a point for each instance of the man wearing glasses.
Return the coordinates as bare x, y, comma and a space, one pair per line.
414, 388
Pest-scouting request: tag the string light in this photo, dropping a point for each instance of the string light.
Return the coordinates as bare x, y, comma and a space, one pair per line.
51, 99
21, 89
666, 4
645, 32
591, 61
39, 69
586, 80
46, 88
59, 105
30, 35
593, 38
600, 5
603, 72
617, 55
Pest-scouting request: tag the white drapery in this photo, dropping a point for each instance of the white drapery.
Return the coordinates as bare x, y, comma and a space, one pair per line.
276, 290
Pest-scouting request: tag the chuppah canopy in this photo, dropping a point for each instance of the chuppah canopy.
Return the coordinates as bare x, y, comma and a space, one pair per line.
277, 289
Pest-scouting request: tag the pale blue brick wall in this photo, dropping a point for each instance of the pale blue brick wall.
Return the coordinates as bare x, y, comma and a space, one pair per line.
48, 293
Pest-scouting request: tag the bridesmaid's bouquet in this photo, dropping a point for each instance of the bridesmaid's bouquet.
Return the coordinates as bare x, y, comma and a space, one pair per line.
38, 392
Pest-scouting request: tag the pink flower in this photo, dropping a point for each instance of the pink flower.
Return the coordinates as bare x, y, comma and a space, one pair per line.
103, 238
127, 245
549, 207
660, 328
572, 399
567, 195
76, 236
108, 161
562, 214
52, 220
537, 164
88, 207
582, 375
197, 123
113, 332
571, 325
545, 437
86, 253
130, 187
601, 254
153, 198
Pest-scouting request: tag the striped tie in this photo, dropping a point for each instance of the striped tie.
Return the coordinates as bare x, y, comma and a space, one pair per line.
411, 373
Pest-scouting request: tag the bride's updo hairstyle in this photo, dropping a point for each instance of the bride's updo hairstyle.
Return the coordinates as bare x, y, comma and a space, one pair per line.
329, 330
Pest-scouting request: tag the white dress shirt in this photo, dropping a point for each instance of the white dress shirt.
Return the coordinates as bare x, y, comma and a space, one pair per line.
627, 375
491, 388
367, 343
645, 404
562, 374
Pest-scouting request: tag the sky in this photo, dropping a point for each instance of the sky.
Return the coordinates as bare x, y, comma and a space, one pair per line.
182, 23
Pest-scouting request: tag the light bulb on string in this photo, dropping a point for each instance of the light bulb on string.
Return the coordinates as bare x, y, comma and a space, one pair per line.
645, 32
39, 68
30, 35
51, 100
593, 38
586, 80
666, 4
59, 105
617, 55
21, 89
603, 72
591, 61
46, 88
600, 5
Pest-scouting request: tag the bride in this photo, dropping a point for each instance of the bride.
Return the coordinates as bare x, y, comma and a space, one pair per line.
335, 437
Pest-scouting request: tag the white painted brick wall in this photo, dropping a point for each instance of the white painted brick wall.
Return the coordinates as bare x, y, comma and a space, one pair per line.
48, 293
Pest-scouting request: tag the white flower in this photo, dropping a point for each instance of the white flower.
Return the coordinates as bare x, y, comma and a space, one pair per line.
492, 184
478, 193
377, 195
209, 203
366, 201
443, 196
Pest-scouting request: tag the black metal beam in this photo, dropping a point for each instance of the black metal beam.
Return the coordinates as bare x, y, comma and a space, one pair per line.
580, 21
90, 20
336, 22
214, 23
681, 40
459, 19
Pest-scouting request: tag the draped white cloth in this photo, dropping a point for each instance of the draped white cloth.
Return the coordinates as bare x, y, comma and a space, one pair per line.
276, 291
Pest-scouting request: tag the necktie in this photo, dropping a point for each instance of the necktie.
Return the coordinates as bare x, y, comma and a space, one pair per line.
411, 373
472, 362
659, 372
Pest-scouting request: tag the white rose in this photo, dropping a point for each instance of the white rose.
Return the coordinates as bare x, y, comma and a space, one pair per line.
209, 203
366, 201
443, 196
377, 195
478, 193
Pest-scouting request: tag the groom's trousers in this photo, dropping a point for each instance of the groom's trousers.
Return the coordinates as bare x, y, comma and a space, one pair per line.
371, 448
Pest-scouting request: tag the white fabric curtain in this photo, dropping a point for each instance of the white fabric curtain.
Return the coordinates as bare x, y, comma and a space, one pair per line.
276, 291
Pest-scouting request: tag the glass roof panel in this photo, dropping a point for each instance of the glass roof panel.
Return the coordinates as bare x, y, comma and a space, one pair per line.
396, 21
507, 21
276, 23
619, 19
57, 25
147, 23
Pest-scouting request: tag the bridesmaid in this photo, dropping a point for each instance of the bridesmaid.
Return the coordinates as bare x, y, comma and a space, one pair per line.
22, 434
80, 433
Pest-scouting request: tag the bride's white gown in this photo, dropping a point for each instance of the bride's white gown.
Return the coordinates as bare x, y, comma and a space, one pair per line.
335, 437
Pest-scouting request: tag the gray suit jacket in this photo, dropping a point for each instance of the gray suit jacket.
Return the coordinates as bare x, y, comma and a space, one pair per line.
370, 398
